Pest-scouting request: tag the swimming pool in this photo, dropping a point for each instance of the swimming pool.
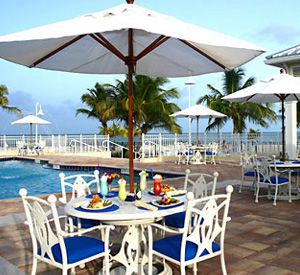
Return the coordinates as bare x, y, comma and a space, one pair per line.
16, 174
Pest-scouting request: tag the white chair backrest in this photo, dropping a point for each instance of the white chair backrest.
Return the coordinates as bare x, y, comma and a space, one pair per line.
203, 185
248, 161
38, 213
80, 185
205, 222
264, 171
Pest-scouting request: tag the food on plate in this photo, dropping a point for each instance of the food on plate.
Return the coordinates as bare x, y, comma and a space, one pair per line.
166, 200
166, 188
98, 203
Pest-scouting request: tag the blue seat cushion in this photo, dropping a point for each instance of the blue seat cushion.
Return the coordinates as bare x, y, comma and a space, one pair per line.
249, 174
78, 248
171, 246
175, 220
281, 180
295, 173
85, 223
209, 153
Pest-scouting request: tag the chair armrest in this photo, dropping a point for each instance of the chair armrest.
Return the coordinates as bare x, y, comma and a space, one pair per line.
59, 217
84, 231
164, 228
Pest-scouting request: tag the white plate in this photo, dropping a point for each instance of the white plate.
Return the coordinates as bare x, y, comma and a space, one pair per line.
166, 206
86, 204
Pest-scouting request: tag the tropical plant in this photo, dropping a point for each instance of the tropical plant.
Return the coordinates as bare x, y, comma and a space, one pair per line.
151, 104
240, 113
101, 104
4, 102
114, 131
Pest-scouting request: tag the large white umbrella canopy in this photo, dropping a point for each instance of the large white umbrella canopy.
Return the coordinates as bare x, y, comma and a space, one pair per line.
31, 119
197, 112
127, 39
280, 88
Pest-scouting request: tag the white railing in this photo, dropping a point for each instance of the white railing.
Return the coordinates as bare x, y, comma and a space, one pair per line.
157, 145
117, 148
57, 143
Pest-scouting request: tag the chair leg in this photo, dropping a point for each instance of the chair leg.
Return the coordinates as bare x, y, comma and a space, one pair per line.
241, 185
34, 266
195, 269
223, 266
182, 269
290, 192
64, 271
275, 197
257, 192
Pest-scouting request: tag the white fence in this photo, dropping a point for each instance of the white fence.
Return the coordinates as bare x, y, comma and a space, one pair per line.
59, 143
152, 145
156, 145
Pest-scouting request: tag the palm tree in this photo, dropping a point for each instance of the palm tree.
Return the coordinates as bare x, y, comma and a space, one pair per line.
151, 106
4, 101
101, 103
238, 112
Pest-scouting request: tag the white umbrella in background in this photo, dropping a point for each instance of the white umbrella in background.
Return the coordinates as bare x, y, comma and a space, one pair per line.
280, 88
127, 39
197, 112
31, 119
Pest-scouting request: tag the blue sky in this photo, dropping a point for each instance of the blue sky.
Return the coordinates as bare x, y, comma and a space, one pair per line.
273, 25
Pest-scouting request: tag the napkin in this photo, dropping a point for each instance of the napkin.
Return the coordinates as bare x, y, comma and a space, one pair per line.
175, 193
145, 205
79, 203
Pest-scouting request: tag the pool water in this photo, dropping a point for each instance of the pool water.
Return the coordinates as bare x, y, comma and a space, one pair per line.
15, 174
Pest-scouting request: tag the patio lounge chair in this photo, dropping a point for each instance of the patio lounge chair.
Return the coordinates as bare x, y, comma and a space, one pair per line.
203, 234
79, 185
57, 247
202, 185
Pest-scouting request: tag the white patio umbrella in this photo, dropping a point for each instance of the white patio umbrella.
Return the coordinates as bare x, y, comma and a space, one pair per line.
31, 119
197, 112
127, 39
280, 88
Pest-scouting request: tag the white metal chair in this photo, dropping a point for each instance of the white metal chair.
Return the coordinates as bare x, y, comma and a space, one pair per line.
248, 165
202, 185
22, 148
57, 247
203, 234
79, 185
270, 178
184, 153
212, 152
39, 147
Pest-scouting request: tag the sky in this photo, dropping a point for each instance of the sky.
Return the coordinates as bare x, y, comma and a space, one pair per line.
271, 24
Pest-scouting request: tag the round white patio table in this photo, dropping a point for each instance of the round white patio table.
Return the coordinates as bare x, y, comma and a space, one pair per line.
136, 220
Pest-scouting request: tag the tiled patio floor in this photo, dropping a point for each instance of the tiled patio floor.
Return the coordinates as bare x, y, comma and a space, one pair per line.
260, 239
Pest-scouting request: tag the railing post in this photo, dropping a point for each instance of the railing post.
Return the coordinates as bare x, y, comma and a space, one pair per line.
80, 144
143, 145
58, 141
108, 147
66, 144
160, 144
175, 145
52, 143
95, 142
4, 143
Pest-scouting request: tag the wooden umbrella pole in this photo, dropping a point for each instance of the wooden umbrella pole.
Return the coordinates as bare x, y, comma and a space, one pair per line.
130, 63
